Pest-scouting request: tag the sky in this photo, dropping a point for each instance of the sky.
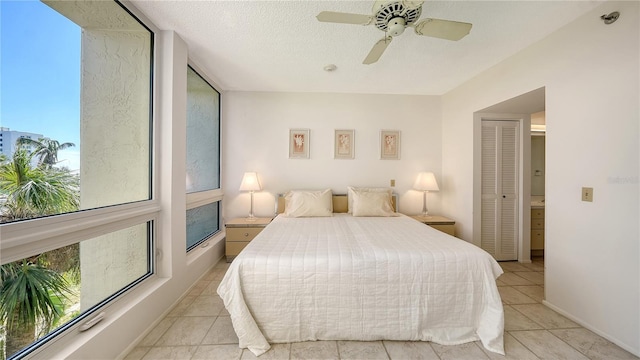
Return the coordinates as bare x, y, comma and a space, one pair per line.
40, 74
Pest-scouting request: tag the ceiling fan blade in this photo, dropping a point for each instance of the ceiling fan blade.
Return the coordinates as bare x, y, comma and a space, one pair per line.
344, 18
377, 50
443, 29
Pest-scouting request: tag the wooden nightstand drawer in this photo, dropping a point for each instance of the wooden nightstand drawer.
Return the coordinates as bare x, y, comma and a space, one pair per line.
441, 223
234, 248
242, 234
449, 229
537, 239
537, 223
537, 213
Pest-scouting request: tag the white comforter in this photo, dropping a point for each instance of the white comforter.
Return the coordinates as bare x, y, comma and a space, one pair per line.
362, 278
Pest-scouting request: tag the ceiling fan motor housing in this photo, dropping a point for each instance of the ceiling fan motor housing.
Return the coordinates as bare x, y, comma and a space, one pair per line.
393, 16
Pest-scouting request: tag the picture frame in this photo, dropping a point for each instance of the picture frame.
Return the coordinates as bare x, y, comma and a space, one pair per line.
344, 144
389, 144
299, 142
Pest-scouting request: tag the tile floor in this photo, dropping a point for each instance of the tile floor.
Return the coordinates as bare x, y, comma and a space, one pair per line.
200, 328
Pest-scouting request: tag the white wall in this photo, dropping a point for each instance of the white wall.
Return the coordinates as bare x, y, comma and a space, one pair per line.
591, 74
255, 133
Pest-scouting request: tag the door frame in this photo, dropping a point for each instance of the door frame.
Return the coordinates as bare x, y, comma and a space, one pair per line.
524, 181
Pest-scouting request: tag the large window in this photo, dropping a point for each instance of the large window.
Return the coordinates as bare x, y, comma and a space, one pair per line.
203, 160
75, 162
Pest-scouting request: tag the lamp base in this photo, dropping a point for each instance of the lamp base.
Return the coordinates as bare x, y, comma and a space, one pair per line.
425, 212
251, 217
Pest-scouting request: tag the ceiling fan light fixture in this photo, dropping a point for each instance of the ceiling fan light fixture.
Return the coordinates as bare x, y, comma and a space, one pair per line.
386, 10
396, 26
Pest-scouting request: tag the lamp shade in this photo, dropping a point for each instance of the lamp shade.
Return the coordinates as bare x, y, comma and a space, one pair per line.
426, 181
250, 182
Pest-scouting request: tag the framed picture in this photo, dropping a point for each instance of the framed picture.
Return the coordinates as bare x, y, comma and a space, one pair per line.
344, 144
298, 143
390, 145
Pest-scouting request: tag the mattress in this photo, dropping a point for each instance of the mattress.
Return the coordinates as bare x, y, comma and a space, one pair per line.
362, 278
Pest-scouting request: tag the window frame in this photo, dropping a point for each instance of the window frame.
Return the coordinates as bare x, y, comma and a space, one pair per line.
40, 233
205, 197
101, 307
24, 238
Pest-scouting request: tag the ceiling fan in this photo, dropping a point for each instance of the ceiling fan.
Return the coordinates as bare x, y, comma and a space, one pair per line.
392, 17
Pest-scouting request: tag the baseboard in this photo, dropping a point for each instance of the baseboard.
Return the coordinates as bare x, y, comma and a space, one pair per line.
589, 327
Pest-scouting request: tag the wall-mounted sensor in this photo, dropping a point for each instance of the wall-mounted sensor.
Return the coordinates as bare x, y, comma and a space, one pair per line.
610, 18
330, 68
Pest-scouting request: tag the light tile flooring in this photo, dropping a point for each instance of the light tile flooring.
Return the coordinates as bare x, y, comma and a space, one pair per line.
200, 328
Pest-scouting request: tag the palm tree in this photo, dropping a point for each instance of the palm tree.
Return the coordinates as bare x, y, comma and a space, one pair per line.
30, 295
45, 149
31, 290
39, 191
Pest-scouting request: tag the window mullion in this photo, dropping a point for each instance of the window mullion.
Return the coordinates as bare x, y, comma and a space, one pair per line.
25, 239
203, 198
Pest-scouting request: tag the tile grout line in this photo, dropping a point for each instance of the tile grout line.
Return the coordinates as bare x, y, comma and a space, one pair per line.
571, 346
434, 350
200, 344
523, 345
554, 335
385, 349
479, 345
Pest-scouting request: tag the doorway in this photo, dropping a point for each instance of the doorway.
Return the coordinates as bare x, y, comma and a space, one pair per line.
518, 109
538, 170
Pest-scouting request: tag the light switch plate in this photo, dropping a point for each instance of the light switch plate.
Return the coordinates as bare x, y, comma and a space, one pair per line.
587, 194
392, 182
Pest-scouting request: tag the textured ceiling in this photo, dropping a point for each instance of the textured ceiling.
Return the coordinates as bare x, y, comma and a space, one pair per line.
280, 46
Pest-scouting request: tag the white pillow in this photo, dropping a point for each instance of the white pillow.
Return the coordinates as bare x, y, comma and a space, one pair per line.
301, 203
351, 190
369, 203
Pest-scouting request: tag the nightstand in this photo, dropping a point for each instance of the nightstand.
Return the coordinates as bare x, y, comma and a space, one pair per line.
239, 232
441, 223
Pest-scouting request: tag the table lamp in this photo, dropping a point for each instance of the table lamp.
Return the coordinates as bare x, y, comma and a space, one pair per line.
425, 182
250, 183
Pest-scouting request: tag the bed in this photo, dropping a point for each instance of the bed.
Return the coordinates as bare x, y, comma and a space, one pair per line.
347, 276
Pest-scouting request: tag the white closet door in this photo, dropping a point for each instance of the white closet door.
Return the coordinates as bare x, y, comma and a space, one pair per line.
499, 224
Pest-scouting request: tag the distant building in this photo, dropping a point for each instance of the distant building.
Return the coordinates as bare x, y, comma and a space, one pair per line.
8, 140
